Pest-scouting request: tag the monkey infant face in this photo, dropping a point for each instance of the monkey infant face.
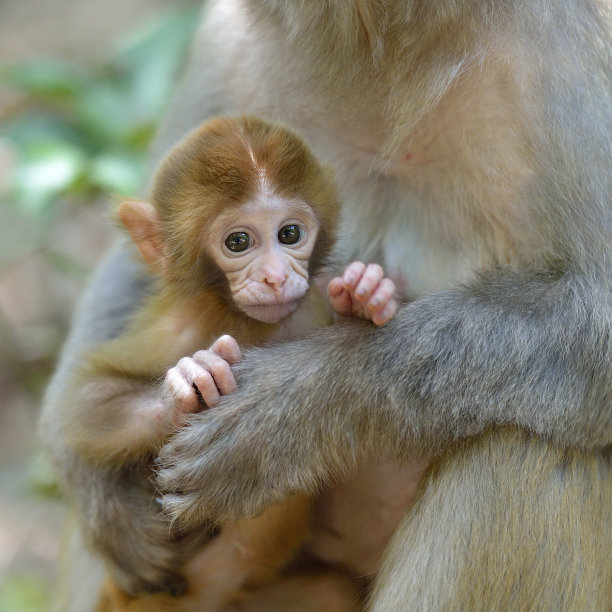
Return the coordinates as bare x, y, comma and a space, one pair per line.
263, 249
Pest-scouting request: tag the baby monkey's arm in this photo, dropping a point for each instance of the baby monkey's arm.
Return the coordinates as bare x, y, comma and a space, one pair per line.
363, 291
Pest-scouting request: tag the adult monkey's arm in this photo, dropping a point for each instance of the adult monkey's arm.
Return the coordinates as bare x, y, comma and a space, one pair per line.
446, 367
526, 342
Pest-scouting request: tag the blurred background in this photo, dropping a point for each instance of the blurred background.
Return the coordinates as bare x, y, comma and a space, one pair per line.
83, 84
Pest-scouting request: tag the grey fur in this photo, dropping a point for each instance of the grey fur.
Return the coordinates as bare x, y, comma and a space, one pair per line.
485, 344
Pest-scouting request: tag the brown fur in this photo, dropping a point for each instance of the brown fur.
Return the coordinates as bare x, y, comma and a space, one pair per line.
218, 166
472, 145
233, 571
214, 168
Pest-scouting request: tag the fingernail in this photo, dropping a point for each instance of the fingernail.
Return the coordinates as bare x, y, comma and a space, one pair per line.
388, 311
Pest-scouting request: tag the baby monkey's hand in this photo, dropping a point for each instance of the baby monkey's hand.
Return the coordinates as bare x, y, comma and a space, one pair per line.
363, 291
206, 376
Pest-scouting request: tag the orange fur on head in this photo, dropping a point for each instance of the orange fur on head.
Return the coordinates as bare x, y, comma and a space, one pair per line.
225, 163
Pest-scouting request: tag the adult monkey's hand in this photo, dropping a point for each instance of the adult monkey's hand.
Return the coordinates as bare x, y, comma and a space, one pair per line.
273, 435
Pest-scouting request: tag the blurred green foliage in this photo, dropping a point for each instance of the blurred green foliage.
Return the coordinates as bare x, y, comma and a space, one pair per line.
24, 593
76, 130
85, 129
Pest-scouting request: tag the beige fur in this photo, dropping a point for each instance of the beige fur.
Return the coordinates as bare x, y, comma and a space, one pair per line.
472, 145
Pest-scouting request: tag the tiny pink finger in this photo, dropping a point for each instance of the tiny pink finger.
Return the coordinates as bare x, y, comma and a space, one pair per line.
380, 318
342, 303
224, 379
369, 281
335, 286
207, 387
181, 391
227, 347
382, 294
353, 273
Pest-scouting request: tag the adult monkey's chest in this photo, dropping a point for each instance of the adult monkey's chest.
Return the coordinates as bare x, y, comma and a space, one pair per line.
434, 186
432, 189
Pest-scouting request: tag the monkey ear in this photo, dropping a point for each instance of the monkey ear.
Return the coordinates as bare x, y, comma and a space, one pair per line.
142, 222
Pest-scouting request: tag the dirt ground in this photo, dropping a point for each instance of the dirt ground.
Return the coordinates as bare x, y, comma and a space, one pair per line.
35, 299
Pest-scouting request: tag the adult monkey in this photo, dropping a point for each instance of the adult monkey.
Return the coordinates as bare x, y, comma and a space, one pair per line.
473, 141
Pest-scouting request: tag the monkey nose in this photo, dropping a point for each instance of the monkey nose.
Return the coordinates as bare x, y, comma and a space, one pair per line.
275, 282
275, 278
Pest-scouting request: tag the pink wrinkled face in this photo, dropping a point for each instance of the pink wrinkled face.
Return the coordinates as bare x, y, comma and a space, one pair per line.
264, 248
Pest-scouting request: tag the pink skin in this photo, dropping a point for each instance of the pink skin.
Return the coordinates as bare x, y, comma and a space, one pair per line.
268, 279
363, 291
209, 371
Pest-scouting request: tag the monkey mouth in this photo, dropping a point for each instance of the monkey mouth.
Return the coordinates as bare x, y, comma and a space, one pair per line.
270, 313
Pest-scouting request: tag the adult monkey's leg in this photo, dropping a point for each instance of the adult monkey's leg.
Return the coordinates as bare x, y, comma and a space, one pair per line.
506, 522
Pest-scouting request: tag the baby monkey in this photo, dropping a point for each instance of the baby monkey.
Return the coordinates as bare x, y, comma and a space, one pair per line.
241, 217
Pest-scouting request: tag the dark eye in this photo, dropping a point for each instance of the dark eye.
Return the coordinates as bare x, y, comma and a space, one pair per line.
238, 242
290, 234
